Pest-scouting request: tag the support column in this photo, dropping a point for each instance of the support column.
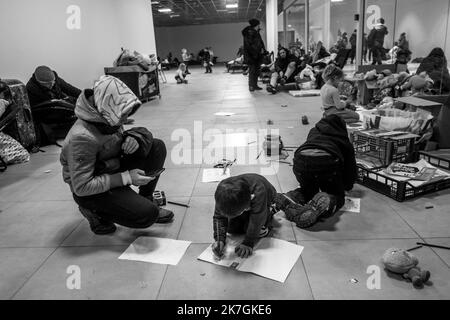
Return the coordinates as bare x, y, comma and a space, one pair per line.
272, 25
307, 25
285, 28
360, 34
327, 24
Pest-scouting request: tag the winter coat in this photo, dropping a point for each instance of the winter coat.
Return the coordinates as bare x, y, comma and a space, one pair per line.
254, 48
330, 135
90, 155
380, 32
37, 93
282, 64
435, 64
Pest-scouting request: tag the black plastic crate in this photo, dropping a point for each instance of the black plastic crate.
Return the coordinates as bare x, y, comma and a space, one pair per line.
400, 191
439, 158
384, 149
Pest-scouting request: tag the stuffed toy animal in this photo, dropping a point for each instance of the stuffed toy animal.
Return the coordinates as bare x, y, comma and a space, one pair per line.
418, 83
371, 75
308, 72
402, 262
386, 103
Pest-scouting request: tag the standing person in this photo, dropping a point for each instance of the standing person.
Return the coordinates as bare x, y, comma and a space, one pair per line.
378, 34
186, 59
206, 57
254, 50
365, 47
403, 43
353, 46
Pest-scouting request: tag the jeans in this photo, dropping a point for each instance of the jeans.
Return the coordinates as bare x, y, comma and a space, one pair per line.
320, 173
122, 205
253, 74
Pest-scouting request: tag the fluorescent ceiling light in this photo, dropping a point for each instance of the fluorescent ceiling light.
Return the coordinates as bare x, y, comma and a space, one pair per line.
231, 5
337, 0
155, 2
163, 10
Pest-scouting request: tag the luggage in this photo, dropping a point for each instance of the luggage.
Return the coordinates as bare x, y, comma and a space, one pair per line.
21, 126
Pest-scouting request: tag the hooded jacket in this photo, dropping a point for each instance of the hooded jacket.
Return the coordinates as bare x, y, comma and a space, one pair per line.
435, 64
91, 152
37, 93
380, 32
330, 134
253, 46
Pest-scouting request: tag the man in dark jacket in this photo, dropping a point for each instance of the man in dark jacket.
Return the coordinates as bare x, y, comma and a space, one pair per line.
378, 34
254, 51
53, 119
46, 85
353, 46
325, 167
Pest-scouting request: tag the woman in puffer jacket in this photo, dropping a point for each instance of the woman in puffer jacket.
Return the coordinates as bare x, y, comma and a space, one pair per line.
100, 161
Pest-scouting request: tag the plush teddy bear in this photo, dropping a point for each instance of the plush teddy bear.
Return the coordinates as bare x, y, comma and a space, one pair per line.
371, 75
402, 262
418, 83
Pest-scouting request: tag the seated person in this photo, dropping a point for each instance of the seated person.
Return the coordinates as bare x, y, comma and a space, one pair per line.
100, 161
46, 85
325, 167
331, 101
435, 65
243, 206
319, 52
181, 74
283, 70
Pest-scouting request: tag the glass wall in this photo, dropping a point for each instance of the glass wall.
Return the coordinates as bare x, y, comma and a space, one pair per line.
425, 22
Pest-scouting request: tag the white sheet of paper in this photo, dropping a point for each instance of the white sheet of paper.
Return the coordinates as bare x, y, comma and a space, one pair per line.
224, 114
156, 250
352, 205
215, 175
272, 258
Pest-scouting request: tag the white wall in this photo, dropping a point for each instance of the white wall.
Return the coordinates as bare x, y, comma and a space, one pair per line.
35, 33
225, 39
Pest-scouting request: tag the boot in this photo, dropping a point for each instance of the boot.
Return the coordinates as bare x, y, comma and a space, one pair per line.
98, 225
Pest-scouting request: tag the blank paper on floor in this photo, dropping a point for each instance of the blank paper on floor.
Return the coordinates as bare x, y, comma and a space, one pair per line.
156, 250
271, 258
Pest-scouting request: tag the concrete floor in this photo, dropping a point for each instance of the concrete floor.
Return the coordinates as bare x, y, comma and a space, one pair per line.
42, 233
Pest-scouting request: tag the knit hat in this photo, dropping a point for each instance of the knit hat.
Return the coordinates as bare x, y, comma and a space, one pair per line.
254, 22
113, 99
44, 74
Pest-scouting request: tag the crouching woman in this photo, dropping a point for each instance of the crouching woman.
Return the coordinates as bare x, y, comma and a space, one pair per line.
101, 161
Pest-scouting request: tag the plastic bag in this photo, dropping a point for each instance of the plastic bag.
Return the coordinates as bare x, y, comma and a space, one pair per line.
12, 151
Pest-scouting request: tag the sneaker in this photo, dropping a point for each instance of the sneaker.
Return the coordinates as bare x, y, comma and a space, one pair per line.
165, 216
98, 225
271, 89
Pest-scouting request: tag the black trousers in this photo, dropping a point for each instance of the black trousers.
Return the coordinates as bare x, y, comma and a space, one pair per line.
320, 173
377, 53
124, 206
253, 74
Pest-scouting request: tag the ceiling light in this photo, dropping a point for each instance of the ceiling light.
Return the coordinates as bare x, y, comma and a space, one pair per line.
337, 0
231, 5
165, 10
155, 2
174, 15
